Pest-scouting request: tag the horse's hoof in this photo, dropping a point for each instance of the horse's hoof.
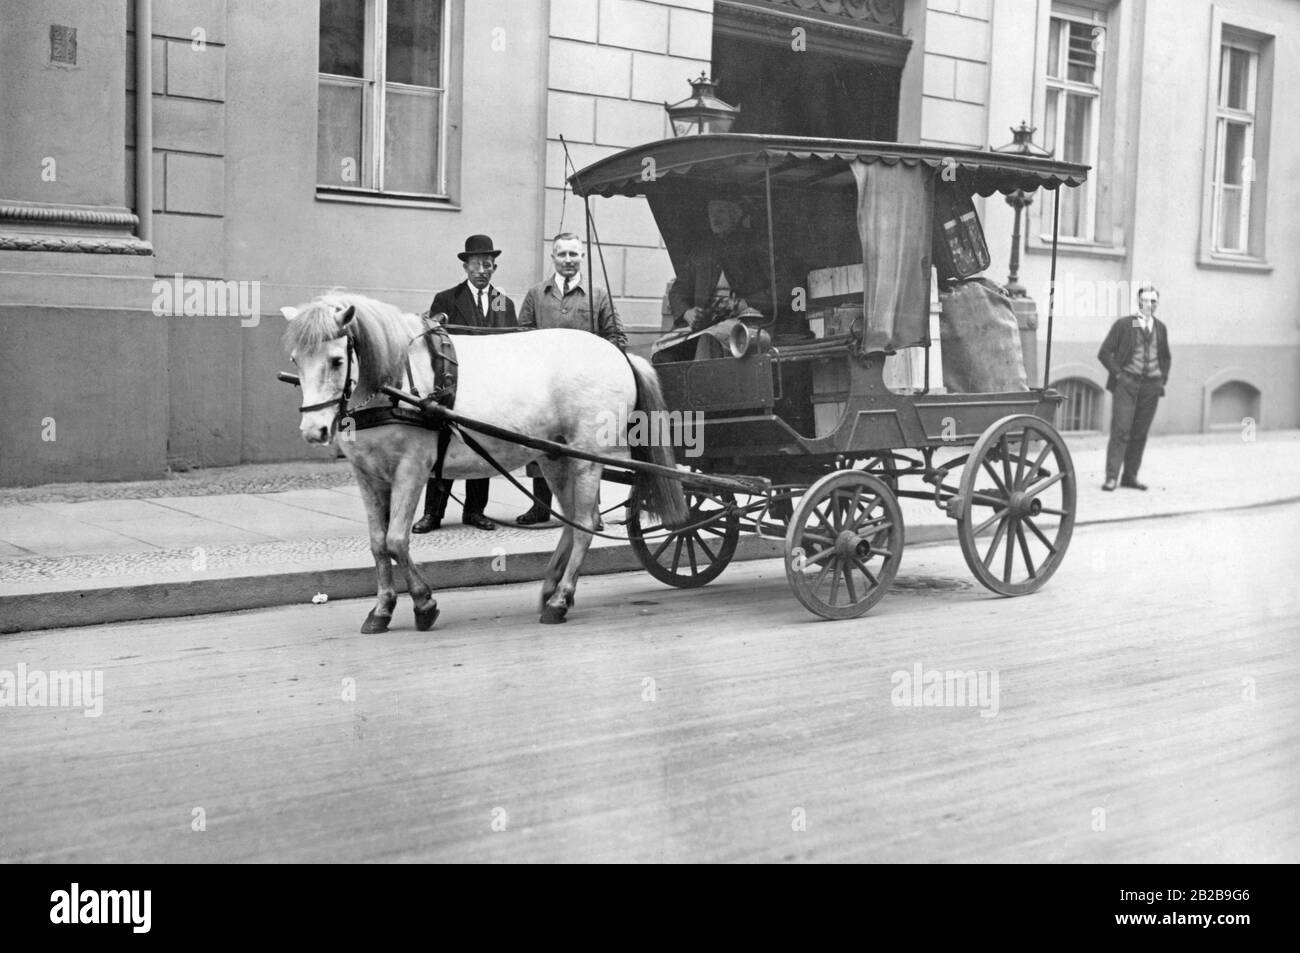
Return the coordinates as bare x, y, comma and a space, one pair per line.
553, 615
425, 618
375, 623
568, 600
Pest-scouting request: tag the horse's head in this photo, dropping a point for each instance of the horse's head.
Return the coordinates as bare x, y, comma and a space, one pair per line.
320, 345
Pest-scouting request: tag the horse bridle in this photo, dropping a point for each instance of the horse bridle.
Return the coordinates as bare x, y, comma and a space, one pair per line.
343, 398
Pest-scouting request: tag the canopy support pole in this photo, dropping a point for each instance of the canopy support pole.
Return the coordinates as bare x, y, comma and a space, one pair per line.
591, 281
771, 247
1051, 288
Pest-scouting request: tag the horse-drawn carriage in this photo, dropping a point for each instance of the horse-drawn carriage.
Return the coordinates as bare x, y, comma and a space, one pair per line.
836, 421
806, 408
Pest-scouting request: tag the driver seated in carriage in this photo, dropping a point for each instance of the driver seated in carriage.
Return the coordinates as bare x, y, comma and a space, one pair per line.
725, 280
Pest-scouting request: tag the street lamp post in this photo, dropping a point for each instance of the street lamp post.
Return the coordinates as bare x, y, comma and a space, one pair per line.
1019, 201
1022, 143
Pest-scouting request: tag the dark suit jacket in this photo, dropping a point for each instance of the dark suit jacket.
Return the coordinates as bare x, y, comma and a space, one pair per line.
744, 258
458, 305
1125, 337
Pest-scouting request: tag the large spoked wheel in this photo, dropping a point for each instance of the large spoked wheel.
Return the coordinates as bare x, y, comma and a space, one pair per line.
694, 556
844, 544
1017, 505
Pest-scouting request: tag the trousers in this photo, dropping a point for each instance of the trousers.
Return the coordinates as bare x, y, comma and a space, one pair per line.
1133, 409
438, 491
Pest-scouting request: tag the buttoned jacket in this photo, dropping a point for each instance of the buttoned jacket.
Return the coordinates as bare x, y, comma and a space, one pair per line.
547, 306
1124, 338
460, 307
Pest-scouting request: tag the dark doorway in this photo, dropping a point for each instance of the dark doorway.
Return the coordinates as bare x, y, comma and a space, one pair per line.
782, 91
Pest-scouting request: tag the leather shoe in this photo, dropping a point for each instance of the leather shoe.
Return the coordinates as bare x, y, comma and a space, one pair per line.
1108, 485
536, 514
1134, 485
479, 521
426, 524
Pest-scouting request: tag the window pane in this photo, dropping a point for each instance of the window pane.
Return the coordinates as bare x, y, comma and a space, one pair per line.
1082, 57
411, 141
1054, 48
1230, 219
415, 42
343, 37
1078, 129
1235, 81
1234, 153
1049, 130
1077, 147
1072, 208
338, 139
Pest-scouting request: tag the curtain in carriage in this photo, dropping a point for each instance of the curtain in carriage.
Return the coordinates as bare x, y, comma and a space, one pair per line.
894, 201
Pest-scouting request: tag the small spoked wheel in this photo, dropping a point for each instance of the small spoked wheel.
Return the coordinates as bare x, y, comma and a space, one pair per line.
1016, 505
844, 544
694, 556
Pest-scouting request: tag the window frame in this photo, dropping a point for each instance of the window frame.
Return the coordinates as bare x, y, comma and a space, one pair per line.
374, 86
1111, 215
1226, 116
1232, 30
1065, 87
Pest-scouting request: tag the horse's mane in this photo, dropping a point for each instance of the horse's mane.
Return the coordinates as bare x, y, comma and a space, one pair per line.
380, 333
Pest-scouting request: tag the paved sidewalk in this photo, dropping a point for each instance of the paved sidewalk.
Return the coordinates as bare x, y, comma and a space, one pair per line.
273, 534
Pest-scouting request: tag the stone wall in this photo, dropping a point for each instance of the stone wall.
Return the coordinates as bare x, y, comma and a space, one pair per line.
613, 65
955, 86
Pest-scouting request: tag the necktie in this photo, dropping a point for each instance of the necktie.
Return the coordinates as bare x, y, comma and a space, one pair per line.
482, 308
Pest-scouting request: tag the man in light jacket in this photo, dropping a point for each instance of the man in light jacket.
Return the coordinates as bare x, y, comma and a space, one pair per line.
561, 301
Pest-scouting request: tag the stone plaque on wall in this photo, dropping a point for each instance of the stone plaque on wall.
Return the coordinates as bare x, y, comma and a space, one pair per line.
63, 45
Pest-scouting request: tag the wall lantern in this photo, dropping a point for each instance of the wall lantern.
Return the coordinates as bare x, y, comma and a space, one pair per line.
703, 112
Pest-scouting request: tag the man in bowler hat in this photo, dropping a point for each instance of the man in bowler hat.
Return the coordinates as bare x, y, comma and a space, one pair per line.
474, 303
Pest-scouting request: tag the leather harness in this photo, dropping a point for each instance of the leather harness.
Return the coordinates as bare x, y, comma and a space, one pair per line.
442, 358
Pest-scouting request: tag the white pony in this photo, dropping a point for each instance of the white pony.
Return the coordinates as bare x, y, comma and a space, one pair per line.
561, 385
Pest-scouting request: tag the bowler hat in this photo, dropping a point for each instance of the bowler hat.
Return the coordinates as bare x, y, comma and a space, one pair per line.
478, 245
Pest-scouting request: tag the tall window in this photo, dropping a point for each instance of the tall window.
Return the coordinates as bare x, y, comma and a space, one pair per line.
1073, 113
1234, 148
382, 91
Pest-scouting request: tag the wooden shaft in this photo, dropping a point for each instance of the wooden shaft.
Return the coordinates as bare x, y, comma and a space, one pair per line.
755, 485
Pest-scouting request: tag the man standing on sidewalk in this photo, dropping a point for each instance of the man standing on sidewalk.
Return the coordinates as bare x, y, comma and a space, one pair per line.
473, 303
1136, 355
562, 302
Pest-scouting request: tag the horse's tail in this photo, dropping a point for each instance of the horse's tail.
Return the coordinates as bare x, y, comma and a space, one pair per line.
660, 495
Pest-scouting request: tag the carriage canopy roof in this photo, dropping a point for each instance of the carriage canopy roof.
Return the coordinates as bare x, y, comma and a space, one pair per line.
797, 162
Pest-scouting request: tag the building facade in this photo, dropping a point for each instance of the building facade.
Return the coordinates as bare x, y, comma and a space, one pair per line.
309, 144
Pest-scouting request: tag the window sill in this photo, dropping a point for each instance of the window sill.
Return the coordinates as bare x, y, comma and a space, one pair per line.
364, 197
1233, 263
1084, 249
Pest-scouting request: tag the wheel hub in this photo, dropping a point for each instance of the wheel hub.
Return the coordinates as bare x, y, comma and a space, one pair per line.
849, 545
1022, 504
